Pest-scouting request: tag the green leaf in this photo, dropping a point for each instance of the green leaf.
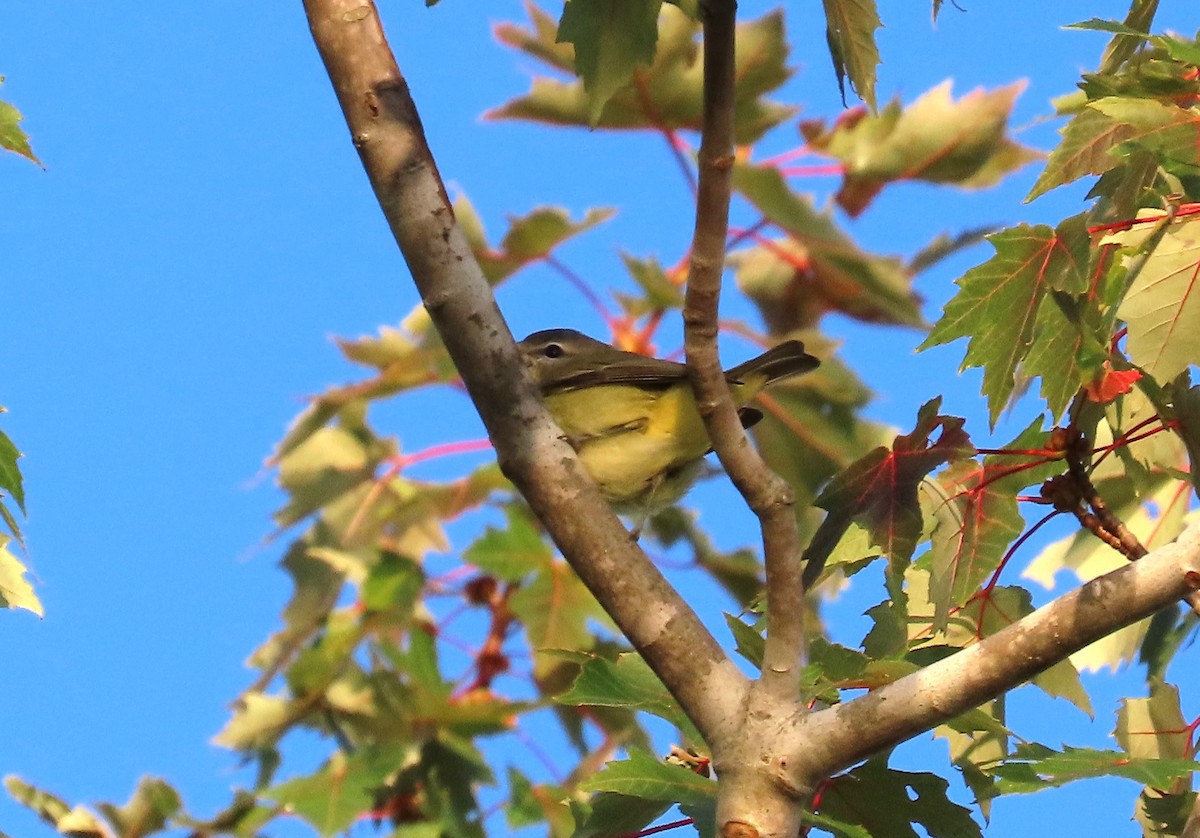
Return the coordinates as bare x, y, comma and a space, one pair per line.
77, 822
1163, 303
1164, 814
10, 474
979, 518
15, 590
152, 807
1085, 149
669, 93
837, 828
258, 722
511, 553
11, 135
555, 609
345, 788
898, 799
739, 571
612, 39
393, 585
935, 139
659, 290
817, 269
1034, 767
642, 775
749, 640
1101, 135
1154, 727
978, 740
606, 814
850, 32
626, 682
997, 303
880, 490
316, 589
328, 465
529, 238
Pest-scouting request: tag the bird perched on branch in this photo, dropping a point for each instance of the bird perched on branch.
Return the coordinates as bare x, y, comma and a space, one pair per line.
632, 419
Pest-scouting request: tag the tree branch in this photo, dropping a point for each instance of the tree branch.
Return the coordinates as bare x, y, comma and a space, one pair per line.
768, 495
387, 132
829, 741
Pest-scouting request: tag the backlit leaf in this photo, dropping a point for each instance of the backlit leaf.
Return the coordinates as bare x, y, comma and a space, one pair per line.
997, 303
555, 609
935, 139
12, 137
880, 490
529, 238
151, 807
668, 95
1093, 139
1034, 767
641, 775
1154, 727
817, 269
10, 473
1162, 306
978, 517
850, 32
77, 822
344, 789
15, 590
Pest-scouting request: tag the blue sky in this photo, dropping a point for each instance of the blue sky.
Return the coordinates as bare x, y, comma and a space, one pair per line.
169, 283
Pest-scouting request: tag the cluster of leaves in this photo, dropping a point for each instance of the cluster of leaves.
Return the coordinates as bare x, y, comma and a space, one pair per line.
15, 590
369, 656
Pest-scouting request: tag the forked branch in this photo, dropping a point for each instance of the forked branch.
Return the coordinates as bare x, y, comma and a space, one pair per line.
768, 495
387, 132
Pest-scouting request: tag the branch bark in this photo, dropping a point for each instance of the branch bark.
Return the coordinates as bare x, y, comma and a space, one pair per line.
771, 498
832, 740
387, 133
758, 795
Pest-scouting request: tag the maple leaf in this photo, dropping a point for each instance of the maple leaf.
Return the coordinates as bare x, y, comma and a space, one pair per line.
612, 39
934, 139
980, 518
998, 302
818, 268
850, 33
880, 490
898, 799
1099, 136
666, 95
12, 138
1162, 306
529, 238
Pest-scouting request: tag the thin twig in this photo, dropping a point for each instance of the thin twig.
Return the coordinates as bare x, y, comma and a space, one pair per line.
768, 495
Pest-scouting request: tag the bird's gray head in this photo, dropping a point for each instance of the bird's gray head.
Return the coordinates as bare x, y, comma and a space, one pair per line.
551, 354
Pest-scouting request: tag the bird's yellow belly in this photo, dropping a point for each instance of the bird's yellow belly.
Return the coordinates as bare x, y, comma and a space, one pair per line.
633, 442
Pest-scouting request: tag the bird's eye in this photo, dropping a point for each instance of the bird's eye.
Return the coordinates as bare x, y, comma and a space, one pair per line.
552, 350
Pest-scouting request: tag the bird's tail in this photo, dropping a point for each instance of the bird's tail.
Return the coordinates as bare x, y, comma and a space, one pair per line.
777, 363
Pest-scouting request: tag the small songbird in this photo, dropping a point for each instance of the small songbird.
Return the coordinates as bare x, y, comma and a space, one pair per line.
633, 419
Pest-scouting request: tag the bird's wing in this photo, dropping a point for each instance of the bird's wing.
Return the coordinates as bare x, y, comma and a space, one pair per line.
638, 370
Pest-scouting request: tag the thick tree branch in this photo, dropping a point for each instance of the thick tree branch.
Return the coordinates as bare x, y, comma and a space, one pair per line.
768, 495
834, 739
387, 132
